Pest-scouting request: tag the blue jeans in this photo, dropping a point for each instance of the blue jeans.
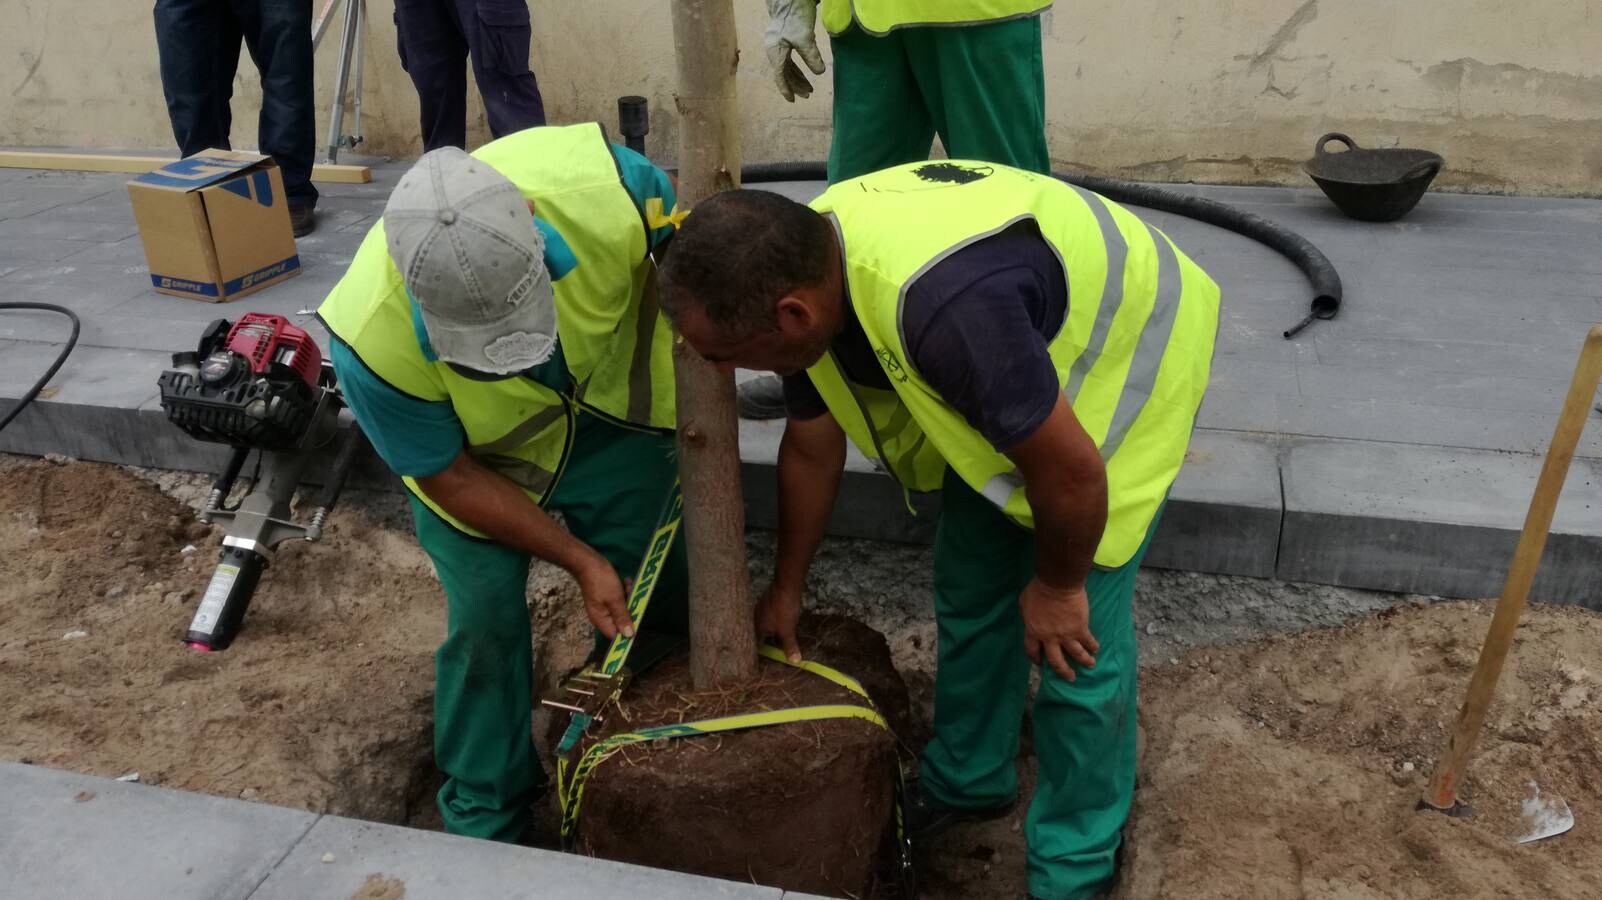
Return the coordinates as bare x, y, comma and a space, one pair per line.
436, 38
198, 41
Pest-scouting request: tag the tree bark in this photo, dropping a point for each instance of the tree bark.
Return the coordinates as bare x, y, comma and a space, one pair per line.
722, 635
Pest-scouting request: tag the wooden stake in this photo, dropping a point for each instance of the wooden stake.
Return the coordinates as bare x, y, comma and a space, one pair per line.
1442, 793
722, 635
104, 162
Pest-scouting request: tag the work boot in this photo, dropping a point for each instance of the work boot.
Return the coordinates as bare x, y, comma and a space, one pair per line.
761, 398
926, 818
302, 219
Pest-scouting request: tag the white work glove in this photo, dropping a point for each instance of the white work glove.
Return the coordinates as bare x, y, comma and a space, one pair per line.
791, 29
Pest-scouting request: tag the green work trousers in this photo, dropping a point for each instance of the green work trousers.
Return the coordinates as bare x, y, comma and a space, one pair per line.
1084, 731
982, 88
611, 496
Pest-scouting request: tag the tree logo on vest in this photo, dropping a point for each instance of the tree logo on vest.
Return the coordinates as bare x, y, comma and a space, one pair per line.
892, 366
953, 172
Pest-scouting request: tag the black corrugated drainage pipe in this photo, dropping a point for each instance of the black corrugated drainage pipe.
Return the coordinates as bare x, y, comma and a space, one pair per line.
1320, 272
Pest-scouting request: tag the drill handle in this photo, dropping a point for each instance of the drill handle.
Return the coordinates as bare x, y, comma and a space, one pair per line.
350, 445
225, 482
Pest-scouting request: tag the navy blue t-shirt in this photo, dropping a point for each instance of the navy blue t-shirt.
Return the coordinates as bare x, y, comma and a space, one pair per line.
977, 325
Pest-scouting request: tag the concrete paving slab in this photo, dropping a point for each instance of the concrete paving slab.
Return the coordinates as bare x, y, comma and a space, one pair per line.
70, 276
1223, 513
1404, 422
1432, 520
36, 249
1448, 355
37, 227
82, 299
361, 224
423, 865
1224, 410
98, 328
108, 207
286, 298
1441, 344
70, 836
19, 201
1254, 376
127, 250
1482, 391
105, 376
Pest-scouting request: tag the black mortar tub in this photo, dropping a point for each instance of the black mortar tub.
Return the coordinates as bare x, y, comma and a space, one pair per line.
1373, 185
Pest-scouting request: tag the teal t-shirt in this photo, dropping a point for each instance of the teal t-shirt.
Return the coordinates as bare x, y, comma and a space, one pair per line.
419, 438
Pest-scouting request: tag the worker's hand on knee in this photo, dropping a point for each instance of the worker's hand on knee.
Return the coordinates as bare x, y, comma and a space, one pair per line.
606, 598
777, 614
1057, 627
790, 29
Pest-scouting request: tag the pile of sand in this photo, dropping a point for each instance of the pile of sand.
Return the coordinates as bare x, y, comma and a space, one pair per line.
1290, 767
1287, 767
324, 702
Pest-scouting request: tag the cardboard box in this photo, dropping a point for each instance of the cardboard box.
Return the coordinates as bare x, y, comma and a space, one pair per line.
215, 225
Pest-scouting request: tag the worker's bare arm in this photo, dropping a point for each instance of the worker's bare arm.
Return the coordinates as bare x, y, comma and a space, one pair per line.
1066, 483
490, 503
811, 458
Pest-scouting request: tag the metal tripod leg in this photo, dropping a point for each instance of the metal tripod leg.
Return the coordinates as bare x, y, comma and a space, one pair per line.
349, 46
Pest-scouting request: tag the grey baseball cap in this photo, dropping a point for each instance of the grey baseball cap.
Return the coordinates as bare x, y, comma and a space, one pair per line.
470, 254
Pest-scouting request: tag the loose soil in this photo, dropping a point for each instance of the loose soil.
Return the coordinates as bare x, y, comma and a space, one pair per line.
1290, 767
1280, 767
323, 703
804, 806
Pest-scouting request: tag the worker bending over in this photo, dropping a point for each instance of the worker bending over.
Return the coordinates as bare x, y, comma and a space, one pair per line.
508, 365
970, 71
1036, 353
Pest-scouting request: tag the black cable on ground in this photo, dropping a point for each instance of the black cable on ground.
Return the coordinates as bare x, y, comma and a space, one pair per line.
1326, 282
72, 341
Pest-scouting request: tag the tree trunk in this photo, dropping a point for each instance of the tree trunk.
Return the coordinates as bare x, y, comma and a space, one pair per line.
722, 636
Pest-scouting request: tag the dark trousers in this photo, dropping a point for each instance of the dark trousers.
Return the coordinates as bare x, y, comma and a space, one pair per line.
198, 41
436, 38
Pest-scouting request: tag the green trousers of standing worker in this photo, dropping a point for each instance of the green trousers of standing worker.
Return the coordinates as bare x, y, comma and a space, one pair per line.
611, 496
982, 88
1084, 731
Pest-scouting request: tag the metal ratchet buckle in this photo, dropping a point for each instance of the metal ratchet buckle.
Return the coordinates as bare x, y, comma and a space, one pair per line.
588, 692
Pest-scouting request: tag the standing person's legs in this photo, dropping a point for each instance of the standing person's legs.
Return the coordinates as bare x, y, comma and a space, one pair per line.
1085, 748
198, 43
499, 32
880, 117
433, 52
986, 88
982, 560
278, 33
483, 688
612, 495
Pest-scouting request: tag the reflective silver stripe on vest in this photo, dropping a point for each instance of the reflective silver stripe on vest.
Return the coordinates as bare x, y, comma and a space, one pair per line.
1143, 368
1151, 347
998, 490
639, 405
531, 477
1112, 293
522, 434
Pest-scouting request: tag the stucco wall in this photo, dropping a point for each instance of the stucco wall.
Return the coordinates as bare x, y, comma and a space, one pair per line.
1207, 90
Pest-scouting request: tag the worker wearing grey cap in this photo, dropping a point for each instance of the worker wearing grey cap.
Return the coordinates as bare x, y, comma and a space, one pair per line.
498, 339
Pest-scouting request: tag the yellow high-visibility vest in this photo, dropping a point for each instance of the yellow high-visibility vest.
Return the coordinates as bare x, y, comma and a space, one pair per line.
1132, 357
616, 343
883, 16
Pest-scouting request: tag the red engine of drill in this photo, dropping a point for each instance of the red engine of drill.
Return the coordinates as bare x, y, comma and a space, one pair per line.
264, 339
